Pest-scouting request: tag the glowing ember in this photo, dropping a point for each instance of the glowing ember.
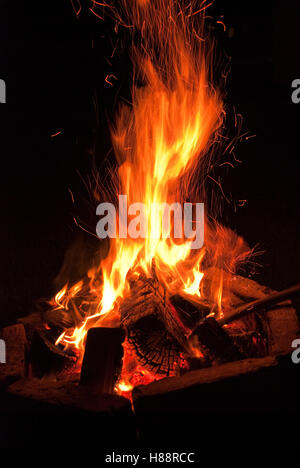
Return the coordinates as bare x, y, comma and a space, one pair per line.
164, 143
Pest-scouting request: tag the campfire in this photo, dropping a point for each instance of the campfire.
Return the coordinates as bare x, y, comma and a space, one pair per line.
154, 312
156, 287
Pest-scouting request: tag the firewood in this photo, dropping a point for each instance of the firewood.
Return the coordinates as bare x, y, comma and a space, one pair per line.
60, 318
241, 288
154, 329
64, 318
174, 325
102, 360
154, 319
260, 304
190, 309
213, 337
132, 311
250, 343
31, 322
154, 347
215, 342
46, 358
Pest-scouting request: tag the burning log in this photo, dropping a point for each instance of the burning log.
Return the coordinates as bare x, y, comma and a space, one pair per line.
154, 347
31, 347
242, 289
213, 337
60, 318
215, 342
252, 343
260, 304
191, 310
102, 360
157, 326
153, 329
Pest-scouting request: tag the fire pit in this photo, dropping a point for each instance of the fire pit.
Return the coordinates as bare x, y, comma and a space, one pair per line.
40, 378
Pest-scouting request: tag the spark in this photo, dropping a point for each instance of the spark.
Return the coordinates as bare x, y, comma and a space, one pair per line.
223, 24
220, 186
72, 196
242, 203
115, 48
84, 229
79, 7
108, 77
96, 14
227, 164
200, 10
55, 134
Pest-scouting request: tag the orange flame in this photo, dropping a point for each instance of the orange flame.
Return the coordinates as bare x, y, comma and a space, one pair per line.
164, 144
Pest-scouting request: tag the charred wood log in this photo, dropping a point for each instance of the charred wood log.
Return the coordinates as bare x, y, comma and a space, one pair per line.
261, 304
102, 360
242, 289
158, 325
154, 347
154, 329
46, 358
30, 323
215, 343
249, 344
252, 343
190, 309
213, 337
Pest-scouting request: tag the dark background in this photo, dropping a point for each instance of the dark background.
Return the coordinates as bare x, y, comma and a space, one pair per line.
55, 67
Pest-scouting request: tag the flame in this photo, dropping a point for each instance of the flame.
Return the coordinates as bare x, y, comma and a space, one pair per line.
63, 297
193, 287
164, 144
60, 295
161, 139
